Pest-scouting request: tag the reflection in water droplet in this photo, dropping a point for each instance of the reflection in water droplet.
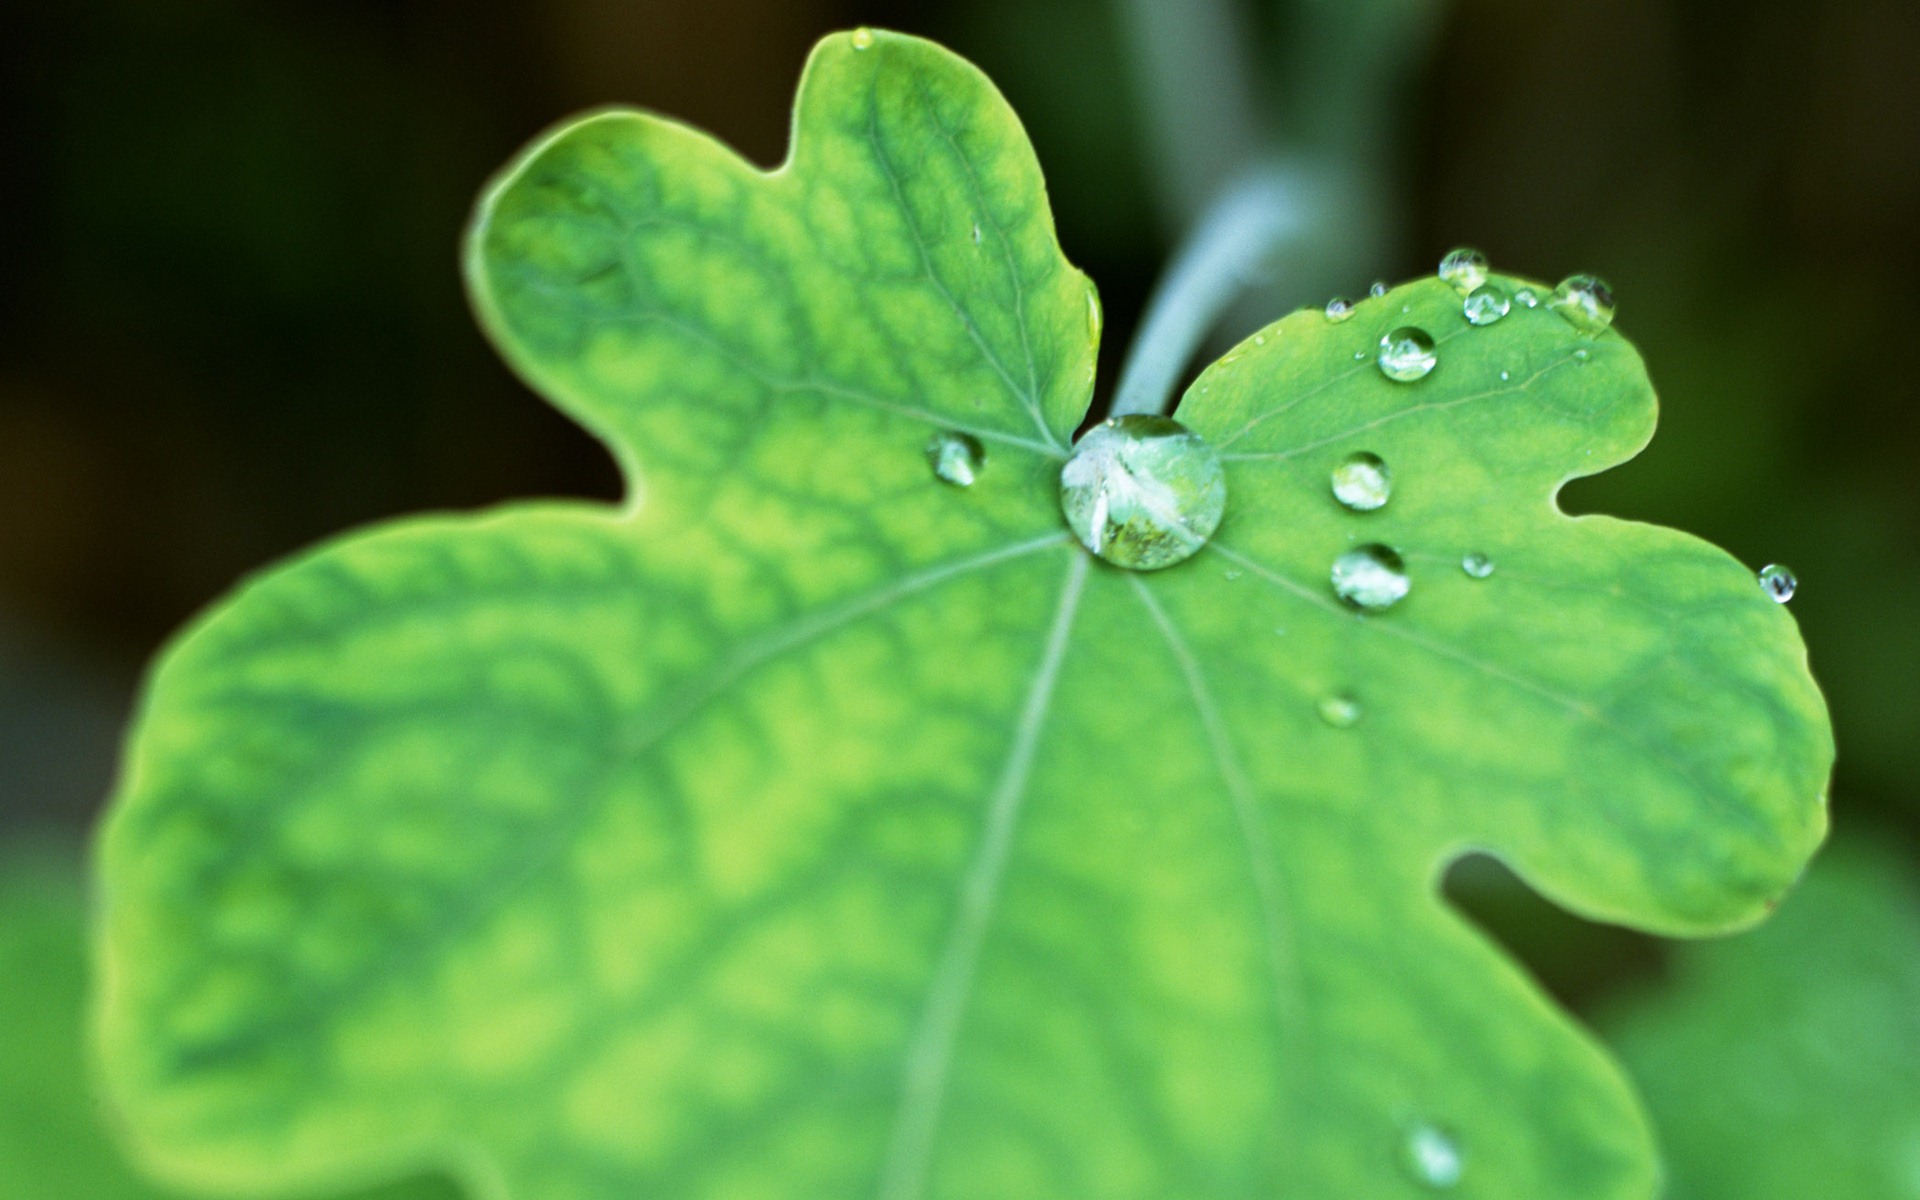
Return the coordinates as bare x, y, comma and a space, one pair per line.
1362, 482
1378, 289
956, 457
1370, 576
1778, 582
1465, 269
862, 38
1339, 309
1477, 565
1407, 354
1143, 491
1434, 1157
1586, 303
1486, 304
1341, 711
1527, 298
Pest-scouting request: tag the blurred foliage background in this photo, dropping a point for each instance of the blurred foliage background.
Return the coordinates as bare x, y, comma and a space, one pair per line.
231, 320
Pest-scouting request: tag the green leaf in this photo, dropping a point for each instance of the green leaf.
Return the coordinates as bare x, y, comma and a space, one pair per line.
1786, 1063
810, 827
52, 1146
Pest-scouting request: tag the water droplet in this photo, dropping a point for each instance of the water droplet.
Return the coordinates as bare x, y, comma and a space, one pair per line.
1582, 354
1778, 583
956, 457
1359, 355
1339, 309
1527, 298
862, 38
1341, 711
1434, 1157
1362, 482
1230, 574
1586, 303
1143, 491
1486, 304
1407, 354
1505, 376
1378, 289
976, 233
1476, 565
1370, 576
1465, 269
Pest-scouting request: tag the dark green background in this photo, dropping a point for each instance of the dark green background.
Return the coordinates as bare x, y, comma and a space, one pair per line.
231, 322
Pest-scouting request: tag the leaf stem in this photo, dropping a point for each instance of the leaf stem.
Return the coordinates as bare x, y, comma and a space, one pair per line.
1231, 247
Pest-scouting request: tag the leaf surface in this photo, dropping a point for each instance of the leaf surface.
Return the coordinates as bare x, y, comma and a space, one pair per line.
52, 1144
1786, 1062
809, 827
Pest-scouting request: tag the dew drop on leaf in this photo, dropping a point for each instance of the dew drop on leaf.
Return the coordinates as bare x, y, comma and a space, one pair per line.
1407, 354
1778, 582
1372, 576
1340, 710
1362, 482
1586, 302
1143, 491
1486, 304
1465, 269
1339, 309
1476, 565
1527, 297
957, 458
862, 38
976, 233
1378, 289
1434, 1157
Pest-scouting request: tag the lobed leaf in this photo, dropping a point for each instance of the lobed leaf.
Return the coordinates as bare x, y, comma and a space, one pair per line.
810, 827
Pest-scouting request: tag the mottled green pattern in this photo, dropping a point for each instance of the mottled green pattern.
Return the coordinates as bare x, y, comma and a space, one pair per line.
810, 828
52, 1143
1785, 1064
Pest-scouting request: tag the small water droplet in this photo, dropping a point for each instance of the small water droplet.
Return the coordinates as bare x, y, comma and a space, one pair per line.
1143, 491
1407, 354
956, 457
1476, 565
1339, 309
1434, 1157
1340, 710
1359, 355
1370, 576
1465, 269
1586, 302
1582, 354
1378, 289
1778, 583
1362, 482
976, 233
1505, 376
1230, 574
1527, 297
862, 38
1259, 339
1486, 304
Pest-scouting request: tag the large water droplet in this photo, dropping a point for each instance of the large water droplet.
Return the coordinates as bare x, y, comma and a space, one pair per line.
1476, 565
1341, 711
1362, 482
1407, 354
1143, 491
1778, 582
956, 457
1465, 269
1370, 576
1339, 309
1486, 304
1378, 289
1434, 1157
1585, 301
862, 38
